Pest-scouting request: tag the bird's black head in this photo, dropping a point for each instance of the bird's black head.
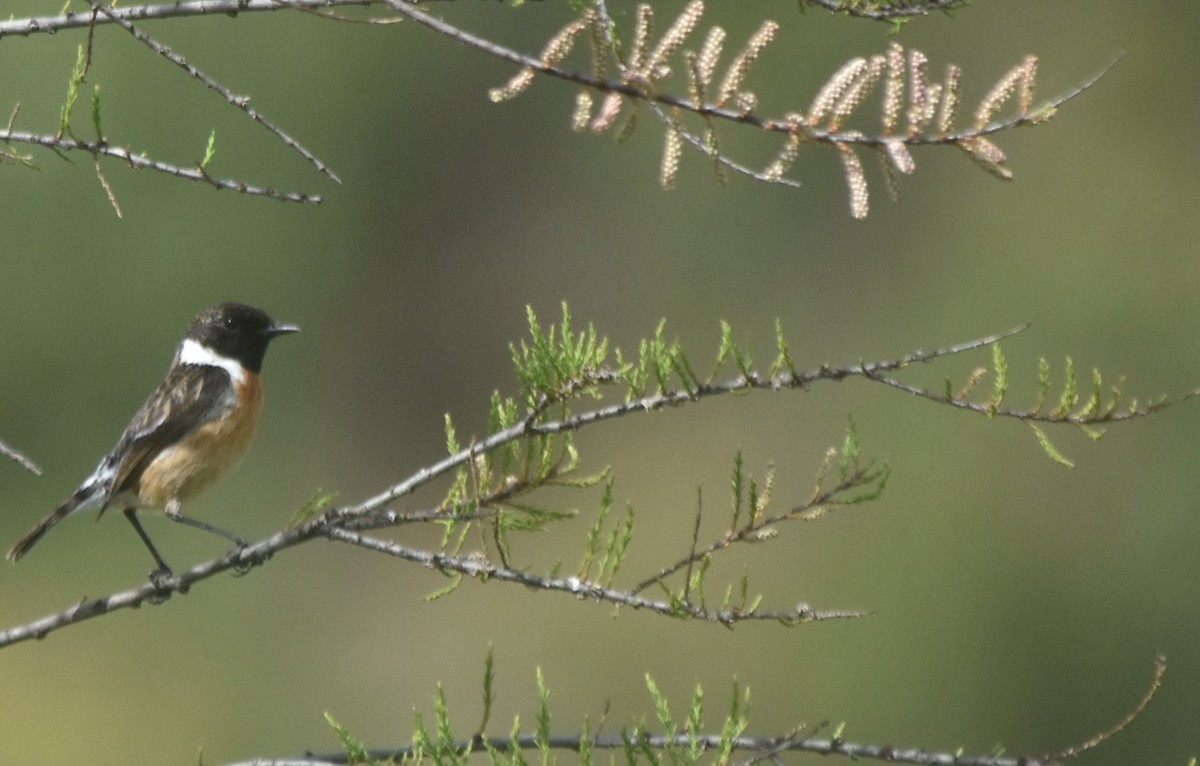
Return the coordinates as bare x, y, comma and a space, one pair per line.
238, 332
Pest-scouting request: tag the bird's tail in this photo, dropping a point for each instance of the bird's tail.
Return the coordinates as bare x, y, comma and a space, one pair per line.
32, 536
84, 496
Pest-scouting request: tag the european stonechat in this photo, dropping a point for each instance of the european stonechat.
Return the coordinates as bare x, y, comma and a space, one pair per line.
196, 424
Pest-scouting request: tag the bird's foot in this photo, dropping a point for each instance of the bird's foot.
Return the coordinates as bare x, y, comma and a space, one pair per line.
247, 561
166, 583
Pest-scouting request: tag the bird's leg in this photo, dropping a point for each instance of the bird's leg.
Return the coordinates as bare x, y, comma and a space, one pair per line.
172, 511
160, 575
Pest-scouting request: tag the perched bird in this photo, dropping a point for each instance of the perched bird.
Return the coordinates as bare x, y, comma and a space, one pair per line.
196, 424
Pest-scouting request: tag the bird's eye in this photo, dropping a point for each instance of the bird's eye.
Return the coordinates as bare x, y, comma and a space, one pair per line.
231, 323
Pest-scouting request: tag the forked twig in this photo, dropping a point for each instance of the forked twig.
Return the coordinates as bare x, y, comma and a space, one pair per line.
240, 102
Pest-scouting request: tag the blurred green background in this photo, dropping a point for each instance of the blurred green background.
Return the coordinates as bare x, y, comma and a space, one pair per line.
1016, 601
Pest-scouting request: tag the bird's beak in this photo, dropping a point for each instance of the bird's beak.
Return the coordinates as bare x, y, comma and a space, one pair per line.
280, 328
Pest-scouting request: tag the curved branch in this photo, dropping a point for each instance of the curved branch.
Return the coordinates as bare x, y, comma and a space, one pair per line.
346, 524
662, 742
342, 524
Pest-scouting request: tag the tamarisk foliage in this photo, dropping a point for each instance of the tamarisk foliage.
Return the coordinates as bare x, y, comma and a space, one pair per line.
680, 73
687, 740
914, 109
568, 380
1089, 410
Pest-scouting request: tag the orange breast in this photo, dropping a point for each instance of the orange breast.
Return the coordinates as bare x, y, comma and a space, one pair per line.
188, 467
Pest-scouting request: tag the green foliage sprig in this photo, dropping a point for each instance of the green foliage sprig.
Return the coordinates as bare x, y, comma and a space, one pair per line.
687, 742
1105, 404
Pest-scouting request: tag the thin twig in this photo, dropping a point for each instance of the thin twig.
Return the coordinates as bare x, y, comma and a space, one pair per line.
240, 102
137, 161
887, 12
19, 458
607, 25
985, 408
1019, 120
782, 745
484, 570
1160, 669
151, 11
692, 558
729, 162
823, 499
108, 190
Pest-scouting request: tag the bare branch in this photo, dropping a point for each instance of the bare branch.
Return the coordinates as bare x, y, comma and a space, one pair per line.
1160, 670
887, 12
581, 589
19, 458
138, 161
134, 13
240, 102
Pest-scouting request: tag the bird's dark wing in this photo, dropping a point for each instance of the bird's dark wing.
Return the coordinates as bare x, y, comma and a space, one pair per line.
189, 396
